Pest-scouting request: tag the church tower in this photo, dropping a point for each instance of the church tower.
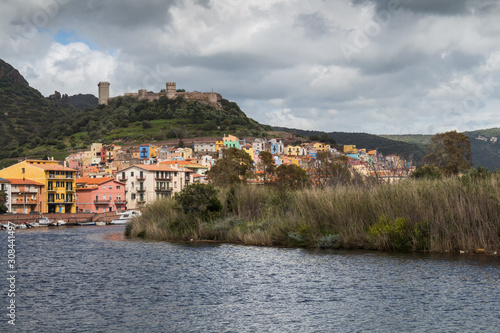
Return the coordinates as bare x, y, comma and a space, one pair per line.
103, 92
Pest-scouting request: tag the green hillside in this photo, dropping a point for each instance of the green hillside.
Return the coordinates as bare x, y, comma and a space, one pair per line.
411, 151
34, 126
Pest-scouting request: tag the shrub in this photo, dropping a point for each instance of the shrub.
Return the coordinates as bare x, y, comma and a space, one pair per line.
200, 200
329, 242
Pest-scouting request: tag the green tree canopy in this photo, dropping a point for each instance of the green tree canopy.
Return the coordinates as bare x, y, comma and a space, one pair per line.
450, 152
291, 176
267, 164
329, 170
200, 200
233, 168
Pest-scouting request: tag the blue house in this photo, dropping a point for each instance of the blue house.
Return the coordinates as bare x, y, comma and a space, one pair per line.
144, 152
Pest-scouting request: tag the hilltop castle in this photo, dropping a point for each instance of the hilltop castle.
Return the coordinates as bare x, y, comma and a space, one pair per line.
210, 98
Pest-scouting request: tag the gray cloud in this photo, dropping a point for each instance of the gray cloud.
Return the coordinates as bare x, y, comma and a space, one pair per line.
279, 60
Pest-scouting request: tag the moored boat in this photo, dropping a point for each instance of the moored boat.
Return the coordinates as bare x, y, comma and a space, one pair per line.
125, 216
86, 223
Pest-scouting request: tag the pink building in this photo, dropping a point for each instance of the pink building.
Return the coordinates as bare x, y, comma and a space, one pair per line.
99, 195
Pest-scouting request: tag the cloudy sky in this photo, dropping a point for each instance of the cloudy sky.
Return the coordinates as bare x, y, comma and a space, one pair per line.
376, 66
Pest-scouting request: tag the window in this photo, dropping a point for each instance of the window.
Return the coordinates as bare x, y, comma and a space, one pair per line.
118, 187
110, 197
110, 187
62, 196
133, 196
57, 196
23, 170
132, 174
57, 184
104, 197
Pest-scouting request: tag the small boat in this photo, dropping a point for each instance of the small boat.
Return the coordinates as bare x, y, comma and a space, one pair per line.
85, 223
125, 216
58, 223
100, 223
40, 222
21, 226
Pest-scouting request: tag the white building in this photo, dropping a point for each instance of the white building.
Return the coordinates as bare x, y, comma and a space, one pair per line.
146, 183
205, 147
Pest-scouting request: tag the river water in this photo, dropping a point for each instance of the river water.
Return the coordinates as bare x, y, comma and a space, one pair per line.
91, 279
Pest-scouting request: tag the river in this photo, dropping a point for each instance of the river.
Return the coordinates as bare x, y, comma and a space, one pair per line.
91, 279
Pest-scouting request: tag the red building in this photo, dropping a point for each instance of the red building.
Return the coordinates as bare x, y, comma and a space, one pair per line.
99, 195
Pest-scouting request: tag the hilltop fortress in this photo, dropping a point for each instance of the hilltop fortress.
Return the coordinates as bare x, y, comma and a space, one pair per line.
210, 98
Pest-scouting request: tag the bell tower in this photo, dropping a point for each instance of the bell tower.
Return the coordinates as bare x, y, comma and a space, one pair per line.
103, 92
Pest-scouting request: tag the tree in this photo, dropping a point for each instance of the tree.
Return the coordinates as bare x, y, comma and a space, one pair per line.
3, 200
328, 170
450, 152
199, 200
291, 176
233, 168
267, 164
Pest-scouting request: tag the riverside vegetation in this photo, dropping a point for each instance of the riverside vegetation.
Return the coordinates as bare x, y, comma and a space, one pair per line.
437, 215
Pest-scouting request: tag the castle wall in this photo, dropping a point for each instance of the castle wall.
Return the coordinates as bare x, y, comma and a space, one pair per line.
210, 98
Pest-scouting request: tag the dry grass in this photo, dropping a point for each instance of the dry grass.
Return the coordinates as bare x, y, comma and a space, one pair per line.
414, 215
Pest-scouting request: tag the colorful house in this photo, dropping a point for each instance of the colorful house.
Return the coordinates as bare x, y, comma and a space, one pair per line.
26, 196
99, 195
249, 150
59, 183
292, 150
147, 183
231, 141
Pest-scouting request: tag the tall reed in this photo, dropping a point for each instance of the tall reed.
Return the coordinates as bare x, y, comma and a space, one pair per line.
451, 214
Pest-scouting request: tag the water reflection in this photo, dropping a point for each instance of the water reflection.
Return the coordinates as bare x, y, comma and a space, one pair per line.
92, 279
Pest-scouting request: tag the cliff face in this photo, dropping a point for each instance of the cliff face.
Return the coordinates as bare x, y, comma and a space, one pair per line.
9, 74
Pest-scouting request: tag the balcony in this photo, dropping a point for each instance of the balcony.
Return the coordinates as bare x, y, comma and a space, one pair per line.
120, 202
141, 202
141, 189
70, 190
31, 190
163, 189
102, 202
51, 189
140, 178
122, 179
164, 177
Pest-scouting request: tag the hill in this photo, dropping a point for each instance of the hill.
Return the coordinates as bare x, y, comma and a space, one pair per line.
24, 113
386, 146
485, 145
34, 126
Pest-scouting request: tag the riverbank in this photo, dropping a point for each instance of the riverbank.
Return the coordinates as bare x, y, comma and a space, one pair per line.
449, 215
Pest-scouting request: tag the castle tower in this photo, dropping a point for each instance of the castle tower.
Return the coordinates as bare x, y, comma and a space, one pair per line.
103, 92
171, 90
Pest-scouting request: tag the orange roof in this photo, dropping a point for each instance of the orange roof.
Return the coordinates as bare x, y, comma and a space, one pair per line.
24, 182
52, 167
93, 181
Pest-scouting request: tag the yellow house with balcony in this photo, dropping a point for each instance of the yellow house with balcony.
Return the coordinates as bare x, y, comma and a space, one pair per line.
58, 192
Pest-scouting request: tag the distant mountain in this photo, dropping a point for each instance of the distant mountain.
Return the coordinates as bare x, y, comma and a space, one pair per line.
386, 146
485, 145
24, 112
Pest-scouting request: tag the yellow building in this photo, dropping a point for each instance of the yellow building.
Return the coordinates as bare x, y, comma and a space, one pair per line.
350, 149
58, 193
292, 150
219, 144
249, 150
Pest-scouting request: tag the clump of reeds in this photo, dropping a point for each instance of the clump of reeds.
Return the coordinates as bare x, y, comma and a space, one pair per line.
451, 214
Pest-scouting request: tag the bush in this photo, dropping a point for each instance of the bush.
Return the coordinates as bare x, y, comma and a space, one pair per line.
329, 242
200, 200
428, 172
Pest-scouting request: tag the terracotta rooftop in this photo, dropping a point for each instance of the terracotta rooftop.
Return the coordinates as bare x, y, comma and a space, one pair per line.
16, 181
93, 181
52, 167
